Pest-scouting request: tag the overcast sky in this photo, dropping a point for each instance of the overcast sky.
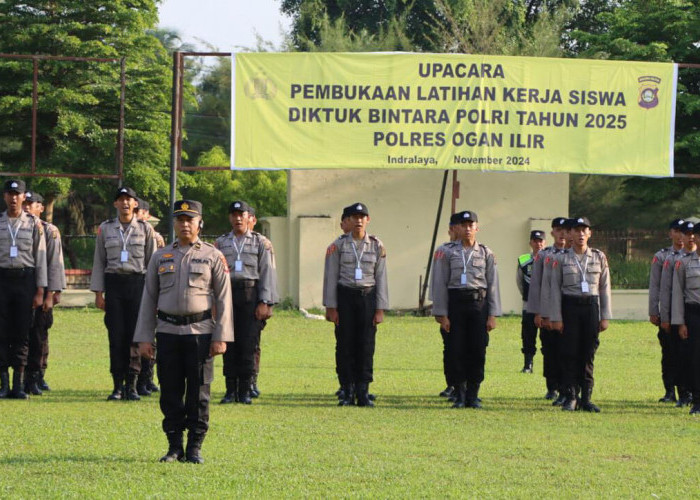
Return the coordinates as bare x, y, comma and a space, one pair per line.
225, 24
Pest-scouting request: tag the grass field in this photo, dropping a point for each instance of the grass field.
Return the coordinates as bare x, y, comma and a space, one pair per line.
294, 441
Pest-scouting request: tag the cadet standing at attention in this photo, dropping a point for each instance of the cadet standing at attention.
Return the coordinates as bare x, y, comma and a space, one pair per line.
254, 285
528, 329
539, 286
661, 285
466, 302
184, 282
23, 275
680, 346
252, 221
144, 384
43, 316
123, 249
356, 294
581, 309
685, 312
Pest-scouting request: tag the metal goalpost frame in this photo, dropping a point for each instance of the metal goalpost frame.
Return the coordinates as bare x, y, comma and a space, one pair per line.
119, 163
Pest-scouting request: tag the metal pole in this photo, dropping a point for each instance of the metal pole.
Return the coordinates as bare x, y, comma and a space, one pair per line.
35, 105
421, 297
174, 139
455, 191
120, 131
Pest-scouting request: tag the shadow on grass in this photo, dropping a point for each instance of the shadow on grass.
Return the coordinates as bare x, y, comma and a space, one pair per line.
69, 458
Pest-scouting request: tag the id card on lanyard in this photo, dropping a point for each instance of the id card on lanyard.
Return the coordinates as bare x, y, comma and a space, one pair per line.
465, 263
238, 264
14, 252
124, 256
585, 288
358, 260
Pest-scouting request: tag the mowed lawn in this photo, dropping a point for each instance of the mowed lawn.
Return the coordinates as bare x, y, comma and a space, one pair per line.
294, 440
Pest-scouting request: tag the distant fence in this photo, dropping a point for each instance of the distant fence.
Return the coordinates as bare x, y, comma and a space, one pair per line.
629, 253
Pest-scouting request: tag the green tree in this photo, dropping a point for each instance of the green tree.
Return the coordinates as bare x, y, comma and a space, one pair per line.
650, 30
78, 111
265, 190
469, 26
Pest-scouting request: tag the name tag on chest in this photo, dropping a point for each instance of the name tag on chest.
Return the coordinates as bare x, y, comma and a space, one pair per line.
238, 266
584, 287
358, 273
463, 279
124, 257
13, 251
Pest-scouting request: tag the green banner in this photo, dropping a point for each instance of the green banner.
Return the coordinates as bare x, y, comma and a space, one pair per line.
447, 111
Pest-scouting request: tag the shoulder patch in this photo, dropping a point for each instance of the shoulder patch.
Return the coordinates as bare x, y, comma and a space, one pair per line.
555, 264
655, 260
678, 264
439, 254
224, 263
331, 250
666, 263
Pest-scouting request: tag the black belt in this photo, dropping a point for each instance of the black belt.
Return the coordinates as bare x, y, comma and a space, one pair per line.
692, 306
581, 301
470, 295
15, 272
357, 291
243, 283
187, 319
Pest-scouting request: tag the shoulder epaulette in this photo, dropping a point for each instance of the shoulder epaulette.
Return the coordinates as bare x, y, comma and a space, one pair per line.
206, 244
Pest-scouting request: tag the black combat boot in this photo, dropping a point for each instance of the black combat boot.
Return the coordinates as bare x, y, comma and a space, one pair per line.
4, 384
244, 391
348, 395
684, 397
142, 384
175, 450
362, 394
448, 392
570, 402
17, 391
254, 391
461, 399
670, 394
42, 383
130, 393
586, 404
527, 366
194, 447
230, 396
118, 390
473, 400
32, 384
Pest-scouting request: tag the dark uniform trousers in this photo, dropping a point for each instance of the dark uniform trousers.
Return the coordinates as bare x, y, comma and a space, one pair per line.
468, 338
692, 321
551, 367
39, 340
356, 334
578, 344
16, 296
185, 372
669, 364
239, 358
528, 333
681, 355
446, 359
122, 302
